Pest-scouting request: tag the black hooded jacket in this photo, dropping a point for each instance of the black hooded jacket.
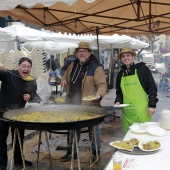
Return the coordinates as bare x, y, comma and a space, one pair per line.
13, 88
78, 73
145, 78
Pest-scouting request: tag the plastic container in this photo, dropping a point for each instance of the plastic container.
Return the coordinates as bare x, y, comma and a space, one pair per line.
165, 119
117, 162
52, 78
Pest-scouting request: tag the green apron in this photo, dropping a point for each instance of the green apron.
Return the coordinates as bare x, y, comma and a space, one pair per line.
133, 94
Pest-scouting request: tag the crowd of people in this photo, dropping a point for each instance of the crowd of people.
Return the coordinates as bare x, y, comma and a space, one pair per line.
82, 75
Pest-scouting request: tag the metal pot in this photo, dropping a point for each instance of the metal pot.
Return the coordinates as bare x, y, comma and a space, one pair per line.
56, 125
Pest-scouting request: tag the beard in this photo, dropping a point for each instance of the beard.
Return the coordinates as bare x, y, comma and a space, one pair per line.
83, 61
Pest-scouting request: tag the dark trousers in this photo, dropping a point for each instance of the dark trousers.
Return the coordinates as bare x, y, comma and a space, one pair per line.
4, 130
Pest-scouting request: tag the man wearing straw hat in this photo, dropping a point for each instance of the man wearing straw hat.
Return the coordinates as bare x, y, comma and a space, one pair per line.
135, 86
84, 77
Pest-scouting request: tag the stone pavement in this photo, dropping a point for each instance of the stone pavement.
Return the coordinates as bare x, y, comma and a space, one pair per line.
109, 132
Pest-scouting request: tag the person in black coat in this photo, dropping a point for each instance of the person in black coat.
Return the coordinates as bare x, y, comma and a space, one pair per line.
67, 61
14, 93
145, 78
51, 64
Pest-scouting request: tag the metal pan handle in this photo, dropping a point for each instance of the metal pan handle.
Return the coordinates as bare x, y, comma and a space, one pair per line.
6, 120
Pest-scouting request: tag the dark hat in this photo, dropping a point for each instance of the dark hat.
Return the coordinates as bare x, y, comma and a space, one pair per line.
126, 50
83, 45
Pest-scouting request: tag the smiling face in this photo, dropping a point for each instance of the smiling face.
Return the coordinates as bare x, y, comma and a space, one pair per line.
24, 69
127, 59
83, 55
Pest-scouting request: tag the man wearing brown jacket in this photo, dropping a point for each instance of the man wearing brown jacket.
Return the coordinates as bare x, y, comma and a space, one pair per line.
84, 77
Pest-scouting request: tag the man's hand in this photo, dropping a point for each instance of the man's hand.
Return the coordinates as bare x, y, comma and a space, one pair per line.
117, 103
2, 67
63, 83
98, 97
151, 111
26, 97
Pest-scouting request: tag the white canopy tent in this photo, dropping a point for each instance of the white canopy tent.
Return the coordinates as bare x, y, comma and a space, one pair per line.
50, 46
145, 52
116, 41
11, 4
19, 32
105, 42
69, 38
165, 55
6, 35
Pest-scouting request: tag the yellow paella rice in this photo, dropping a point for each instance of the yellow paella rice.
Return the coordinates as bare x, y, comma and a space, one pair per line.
28, 78
124, 145
133, 141
55, 116
60, 100
152, 145
90, 97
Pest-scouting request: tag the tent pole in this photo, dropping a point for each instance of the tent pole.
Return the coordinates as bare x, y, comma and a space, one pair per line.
97, 34
150, 15
110, 67
50, 62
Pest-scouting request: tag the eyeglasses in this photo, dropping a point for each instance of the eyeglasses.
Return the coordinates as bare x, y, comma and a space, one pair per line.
82, 51
26, 67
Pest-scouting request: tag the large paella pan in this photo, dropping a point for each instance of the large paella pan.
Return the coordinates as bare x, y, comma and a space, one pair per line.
55, 117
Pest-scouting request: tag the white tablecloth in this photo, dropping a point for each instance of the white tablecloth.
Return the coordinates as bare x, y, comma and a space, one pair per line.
159, 160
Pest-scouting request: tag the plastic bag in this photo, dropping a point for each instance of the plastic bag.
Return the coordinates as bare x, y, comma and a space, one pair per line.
43, 88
